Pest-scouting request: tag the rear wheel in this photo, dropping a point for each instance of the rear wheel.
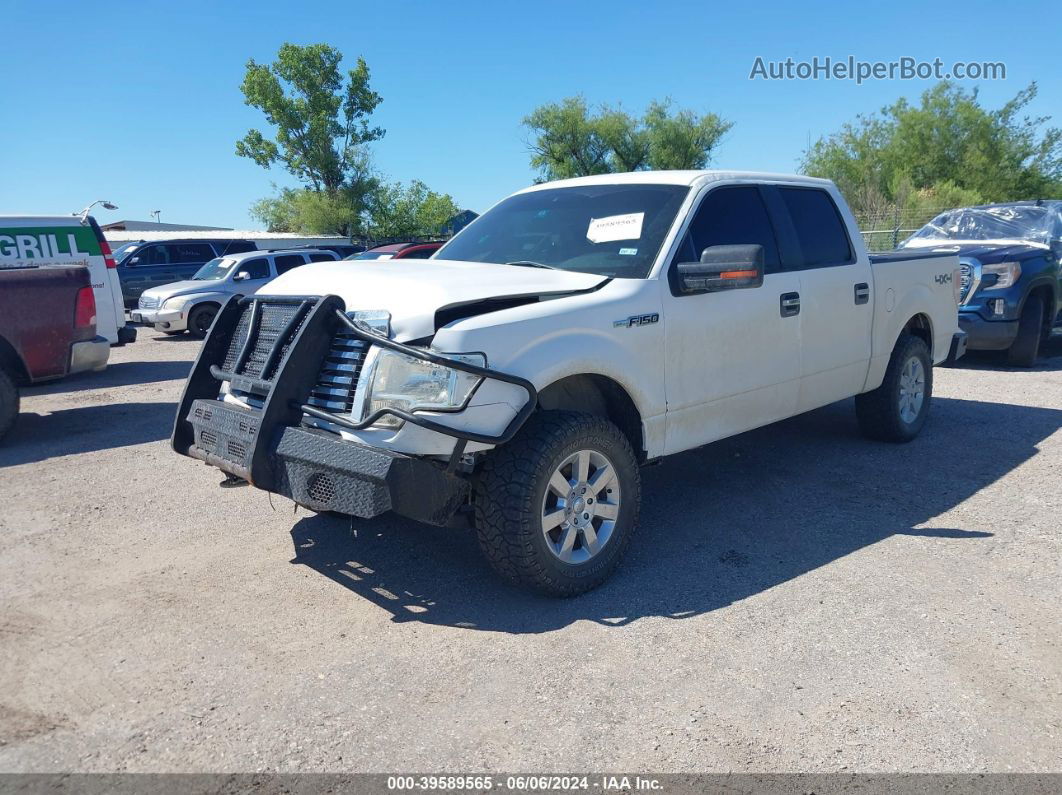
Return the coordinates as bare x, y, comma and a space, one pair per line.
200, 319
1026, 346
9, 403
556, 507
897, 410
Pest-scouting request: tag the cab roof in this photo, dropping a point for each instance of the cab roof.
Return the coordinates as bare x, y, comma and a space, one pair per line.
690, 178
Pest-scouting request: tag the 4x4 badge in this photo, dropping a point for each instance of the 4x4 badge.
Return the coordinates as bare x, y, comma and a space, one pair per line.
636, 320
942, 278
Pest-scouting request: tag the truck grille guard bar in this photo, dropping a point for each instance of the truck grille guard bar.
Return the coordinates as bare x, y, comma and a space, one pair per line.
363, 332
325, 314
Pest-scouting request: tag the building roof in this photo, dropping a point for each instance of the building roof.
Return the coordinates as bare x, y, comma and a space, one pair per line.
155, 226
124, 235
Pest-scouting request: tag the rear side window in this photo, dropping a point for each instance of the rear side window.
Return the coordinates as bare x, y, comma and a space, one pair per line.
288, 261
234, 246
819, 228
731, 216
255, 268
190, 252
320, 256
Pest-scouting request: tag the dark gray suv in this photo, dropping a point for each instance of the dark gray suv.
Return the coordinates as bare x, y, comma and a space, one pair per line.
143, 265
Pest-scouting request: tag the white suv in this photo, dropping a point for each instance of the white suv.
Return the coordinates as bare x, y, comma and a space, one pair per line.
191, 305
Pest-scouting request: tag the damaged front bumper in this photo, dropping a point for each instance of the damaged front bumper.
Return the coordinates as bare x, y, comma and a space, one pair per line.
276, 360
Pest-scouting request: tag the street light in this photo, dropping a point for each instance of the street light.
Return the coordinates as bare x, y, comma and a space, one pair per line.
106, 206
156, 214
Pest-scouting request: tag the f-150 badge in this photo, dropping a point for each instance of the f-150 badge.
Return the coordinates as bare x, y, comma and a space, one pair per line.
636, 320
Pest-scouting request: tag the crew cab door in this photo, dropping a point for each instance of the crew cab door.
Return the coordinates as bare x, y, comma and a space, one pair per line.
257, 272
836, 294
149, 266
732, 358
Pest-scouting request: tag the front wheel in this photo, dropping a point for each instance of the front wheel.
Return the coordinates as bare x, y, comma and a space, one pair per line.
556, 507
897, 410
200, 319
1026, 346
9, 402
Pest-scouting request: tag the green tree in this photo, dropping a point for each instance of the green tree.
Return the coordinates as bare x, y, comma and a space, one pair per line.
408, 211
311, 212
569, 139
321, 119
947, 150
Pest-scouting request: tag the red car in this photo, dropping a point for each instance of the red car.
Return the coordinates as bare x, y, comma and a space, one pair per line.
47, 330
399, 251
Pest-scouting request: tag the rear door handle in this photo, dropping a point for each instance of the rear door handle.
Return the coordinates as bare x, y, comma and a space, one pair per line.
862, 293
789, 303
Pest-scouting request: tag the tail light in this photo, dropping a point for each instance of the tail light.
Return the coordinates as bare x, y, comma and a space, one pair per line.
956, 285
85, 309
105, 247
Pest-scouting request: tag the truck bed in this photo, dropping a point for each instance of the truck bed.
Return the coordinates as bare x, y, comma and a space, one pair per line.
37, 320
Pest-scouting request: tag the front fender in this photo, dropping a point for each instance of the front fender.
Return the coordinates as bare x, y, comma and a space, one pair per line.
194, 299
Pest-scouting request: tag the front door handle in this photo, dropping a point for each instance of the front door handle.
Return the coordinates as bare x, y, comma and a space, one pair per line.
789, 303
862, 293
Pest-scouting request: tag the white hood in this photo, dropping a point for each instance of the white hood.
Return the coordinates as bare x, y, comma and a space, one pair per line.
413, 290
173, 289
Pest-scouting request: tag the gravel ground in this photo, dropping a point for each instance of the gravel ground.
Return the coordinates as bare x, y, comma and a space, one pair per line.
796, 599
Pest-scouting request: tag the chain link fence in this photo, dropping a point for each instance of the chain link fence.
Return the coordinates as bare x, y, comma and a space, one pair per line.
884, 230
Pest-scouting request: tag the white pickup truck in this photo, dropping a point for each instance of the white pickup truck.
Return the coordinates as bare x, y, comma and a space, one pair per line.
575, 331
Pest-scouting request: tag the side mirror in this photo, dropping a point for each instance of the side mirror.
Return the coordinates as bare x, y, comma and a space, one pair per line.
723, 268
242, 276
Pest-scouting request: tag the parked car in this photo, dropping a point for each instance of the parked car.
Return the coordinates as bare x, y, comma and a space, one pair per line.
575, 331
400, 251
1011, 277
65, 240
142, 266
192, 304
47, 330
344, 250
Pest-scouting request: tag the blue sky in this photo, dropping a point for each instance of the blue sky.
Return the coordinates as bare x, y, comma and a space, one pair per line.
140, 103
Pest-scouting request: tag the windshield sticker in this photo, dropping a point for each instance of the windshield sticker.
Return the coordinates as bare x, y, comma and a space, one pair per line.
615, 227
628, 251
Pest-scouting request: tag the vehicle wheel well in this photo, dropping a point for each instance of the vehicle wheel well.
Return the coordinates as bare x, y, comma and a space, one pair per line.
920, 326
599, 395
12, 363
1044, 293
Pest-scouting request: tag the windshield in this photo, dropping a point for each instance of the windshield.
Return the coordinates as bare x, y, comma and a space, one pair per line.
124, 251
215, 270
1026, 222
611, 230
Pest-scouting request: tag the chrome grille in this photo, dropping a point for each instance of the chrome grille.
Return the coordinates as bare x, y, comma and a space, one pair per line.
338, 379
965, 279
148, 302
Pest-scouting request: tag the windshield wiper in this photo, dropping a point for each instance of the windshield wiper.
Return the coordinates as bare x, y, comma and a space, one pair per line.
526, 263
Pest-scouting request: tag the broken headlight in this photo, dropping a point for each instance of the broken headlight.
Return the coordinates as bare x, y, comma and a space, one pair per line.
390, 379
